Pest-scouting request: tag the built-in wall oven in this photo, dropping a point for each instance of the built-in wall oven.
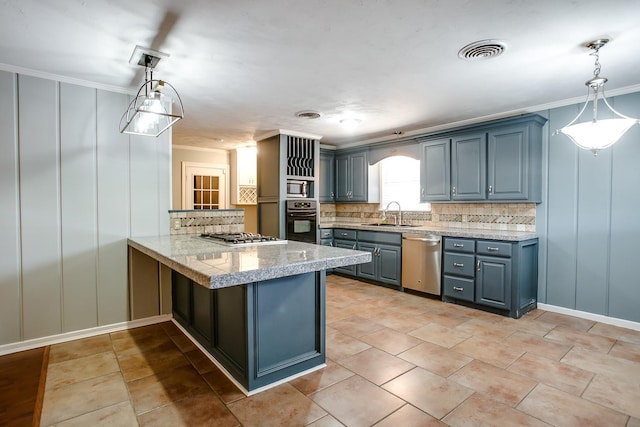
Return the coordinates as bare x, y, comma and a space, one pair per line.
302, 219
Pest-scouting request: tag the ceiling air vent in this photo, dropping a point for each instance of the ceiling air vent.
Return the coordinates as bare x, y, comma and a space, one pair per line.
483, 49
308, 115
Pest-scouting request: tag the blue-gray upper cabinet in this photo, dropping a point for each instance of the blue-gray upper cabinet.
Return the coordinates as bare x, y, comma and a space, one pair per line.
497, 161
435, 173
468, 166
351, 177
514, 162
327, 177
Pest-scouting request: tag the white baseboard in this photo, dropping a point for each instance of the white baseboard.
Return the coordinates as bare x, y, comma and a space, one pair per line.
591, 316
84, 333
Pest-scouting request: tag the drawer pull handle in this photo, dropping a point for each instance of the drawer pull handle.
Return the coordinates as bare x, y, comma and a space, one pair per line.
457, 289
458, 245
478, 265
458, 264
491, 248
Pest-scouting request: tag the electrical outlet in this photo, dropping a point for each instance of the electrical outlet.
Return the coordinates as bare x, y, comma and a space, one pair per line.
176, 223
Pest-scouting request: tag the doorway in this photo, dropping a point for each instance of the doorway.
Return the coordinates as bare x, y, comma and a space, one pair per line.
204, 186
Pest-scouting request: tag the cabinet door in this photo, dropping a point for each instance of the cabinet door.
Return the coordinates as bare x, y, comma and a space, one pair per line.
346, 244
359, 177
508, 163
469, 167
389, 264
435, 171
368, 270
181, 287
493, 282
327, 181
343, 176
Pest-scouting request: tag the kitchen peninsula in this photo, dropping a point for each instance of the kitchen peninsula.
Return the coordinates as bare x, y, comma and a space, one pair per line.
259, 310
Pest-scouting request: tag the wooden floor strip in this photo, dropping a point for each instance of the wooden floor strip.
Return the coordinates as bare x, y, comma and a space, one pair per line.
20, 377
37, 411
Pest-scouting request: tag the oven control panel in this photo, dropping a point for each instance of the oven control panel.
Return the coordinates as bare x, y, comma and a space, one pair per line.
299, 204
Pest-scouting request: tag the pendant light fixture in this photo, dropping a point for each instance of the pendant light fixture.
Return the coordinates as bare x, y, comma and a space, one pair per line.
597, 134
153, 110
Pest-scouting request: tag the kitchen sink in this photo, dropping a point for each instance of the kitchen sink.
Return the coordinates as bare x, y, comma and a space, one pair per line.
380, 224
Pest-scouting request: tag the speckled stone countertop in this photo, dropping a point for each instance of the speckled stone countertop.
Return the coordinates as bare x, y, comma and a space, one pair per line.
217, 266
516, 236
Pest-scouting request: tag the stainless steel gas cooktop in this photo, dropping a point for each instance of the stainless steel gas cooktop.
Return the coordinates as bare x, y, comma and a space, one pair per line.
241, 239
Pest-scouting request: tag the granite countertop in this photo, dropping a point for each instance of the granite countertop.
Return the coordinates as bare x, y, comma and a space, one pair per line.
473, 233
217, 266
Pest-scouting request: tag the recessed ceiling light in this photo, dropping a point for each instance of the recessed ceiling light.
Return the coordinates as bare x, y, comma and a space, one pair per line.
482, 49
308, 114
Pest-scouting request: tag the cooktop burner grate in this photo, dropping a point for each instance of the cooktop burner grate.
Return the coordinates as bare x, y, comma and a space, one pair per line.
246, 239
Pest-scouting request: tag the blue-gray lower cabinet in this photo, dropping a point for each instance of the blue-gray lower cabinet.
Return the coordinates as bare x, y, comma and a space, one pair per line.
386, 255
385, 265
261, 332
349, 270
493, 281
497, 276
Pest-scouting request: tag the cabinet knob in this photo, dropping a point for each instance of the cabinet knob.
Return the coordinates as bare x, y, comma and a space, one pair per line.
332, 195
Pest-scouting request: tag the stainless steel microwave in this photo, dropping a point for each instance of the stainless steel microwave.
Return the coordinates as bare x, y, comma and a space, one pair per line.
296, 188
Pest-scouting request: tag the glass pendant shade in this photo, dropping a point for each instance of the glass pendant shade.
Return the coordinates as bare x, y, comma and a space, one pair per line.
150, 113
597, 134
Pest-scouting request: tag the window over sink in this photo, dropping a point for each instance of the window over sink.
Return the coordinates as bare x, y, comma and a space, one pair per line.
400, 182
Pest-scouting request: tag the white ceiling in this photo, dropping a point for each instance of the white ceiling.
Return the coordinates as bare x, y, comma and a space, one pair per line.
244, 68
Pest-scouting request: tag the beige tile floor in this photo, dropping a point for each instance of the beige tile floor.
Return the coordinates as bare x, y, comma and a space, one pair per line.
393, 359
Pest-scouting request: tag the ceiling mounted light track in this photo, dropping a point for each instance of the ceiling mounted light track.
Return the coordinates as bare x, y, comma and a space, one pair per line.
594, 135
153, 110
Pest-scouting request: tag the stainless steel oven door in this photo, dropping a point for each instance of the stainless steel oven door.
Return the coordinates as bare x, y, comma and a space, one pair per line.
301, 227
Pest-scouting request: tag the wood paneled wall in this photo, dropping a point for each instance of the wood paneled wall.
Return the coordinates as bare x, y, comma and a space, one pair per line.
73, 190
589, 221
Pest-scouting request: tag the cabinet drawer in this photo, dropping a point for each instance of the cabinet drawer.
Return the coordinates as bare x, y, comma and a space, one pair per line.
326, 233
459, 245
340, 233
380, 237
459, 264
493, 248
458, 287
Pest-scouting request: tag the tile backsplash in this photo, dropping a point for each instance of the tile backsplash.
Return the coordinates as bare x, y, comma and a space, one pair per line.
488, 216
206, 221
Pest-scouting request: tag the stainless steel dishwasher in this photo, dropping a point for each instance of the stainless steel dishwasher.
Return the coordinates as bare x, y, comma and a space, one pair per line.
421, 263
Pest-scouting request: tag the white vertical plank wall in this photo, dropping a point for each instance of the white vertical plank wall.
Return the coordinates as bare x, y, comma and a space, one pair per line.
113, 209
38, 127
624, 284
144, 186
10, 284
79, 206
73, 190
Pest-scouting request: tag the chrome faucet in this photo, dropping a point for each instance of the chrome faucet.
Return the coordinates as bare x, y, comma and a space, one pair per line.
399, 219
